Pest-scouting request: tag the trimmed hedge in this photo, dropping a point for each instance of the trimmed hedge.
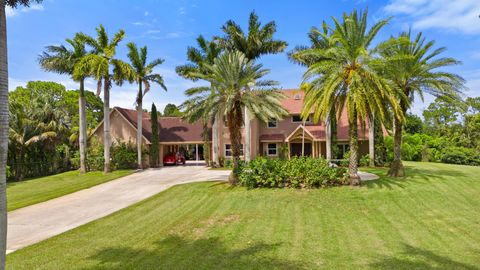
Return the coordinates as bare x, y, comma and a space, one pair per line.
298, 172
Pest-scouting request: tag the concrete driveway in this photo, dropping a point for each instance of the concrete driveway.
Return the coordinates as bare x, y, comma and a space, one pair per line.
38, 222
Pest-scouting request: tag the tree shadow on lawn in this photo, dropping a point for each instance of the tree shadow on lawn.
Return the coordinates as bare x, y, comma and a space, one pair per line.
414, 258
175, 252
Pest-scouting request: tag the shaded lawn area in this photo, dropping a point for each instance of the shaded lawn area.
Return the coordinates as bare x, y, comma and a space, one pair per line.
430, 220
28, 192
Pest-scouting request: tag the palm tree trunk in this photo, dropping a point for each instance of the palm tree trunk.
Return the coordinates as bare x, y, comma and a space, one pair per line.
371, 139
82, 140
235, 119
397, 169
353, 162
3, 133
139, 125
106, 124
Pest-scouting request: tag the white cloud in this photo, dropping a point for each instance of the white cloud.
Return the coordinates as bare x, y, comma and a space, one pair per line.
452, 15
14, 83
10, 12
146, 13
181, 11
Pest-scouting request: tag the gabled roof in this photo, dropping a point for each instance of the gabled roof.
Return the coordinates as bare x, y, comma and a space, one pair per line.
293, 102
171, 129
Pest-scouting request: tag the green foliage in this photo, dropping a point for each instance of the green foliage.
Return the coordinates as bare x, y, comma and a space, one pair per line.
460, 155
171, 110
364, 160
124, 156
413, 123
93, 106
297, 172
154, 147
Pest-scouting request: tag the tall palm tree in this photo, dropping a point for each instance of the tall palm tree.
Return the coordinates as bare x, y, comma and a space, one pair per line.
341, 75
4, 119
205, 54
98, 64
237, 84
412, 65
62, 60
143, 74
256, 42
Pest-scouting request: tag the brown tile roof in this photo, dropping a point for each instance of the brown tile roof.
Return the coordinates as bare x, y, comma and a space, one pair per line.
293, 102
171, 129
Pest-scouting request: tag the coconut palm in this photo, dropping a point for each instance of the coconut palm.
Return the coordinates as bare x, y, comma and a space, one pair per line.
256, 42
205, 54
62, 60
237, 84
4, 119
412, 65
144, 75
99, 64
341, 75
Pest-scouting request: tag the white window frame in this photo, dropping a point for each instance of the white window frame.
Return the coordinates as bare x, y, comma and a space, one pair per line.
225, 150
272, 121
268, 149
301, 121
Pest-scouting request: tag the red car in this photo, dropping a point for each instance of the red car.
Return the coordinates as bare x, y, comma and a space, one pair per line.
174, 159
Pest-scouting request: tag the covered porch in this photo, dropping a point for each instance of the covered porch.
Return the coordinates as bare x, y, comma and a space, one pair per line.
304, 142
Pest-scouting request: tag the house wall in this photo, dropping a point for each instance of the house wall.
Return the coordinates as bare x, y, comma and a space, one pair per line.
120, 130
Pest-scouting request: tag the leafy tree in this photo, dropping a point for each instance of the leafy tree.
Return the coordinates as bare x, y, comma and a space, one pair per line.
62, 60
342, 76
97, 64
440, 116
144, 75
205, 54
413, 123
237, 84
172, 110
256, 42
154, 147
413, 68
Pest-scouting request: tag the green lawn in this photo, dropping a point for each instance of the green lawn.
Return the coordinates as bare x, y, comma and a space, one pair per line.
430, 220
25, 193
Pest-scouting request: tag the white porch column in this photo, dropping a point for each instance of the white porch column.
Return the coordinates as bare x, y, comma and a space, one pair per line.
196, 152
371, 139
248, 136
328, 139
215, 141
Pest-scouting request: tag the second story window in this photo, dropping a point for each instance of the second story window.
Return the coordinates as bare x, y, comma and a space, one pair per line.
272, 123
298, 119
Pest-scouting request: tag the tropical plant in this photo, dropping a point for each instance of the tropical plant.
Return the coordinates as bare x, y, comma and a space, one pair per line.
237, 83
154, 147
341, 76
413, 68
143, 74
256, 42
198, 58
98, 65
62, 60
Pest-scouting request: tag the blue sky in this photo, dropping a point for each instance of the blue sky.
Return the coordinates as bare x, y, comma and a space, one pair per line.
168, 27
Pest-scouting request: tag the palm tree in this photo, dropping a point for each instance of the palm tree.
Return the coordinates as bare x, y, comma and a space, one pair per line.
341, 76
205, 54
412, 67
62, 60
237, 84
98, 64
4, 120
257, 42
143, 75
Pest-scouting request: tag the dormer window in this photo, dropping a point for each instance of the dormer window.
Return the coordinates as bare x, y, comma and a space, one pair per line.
297, 97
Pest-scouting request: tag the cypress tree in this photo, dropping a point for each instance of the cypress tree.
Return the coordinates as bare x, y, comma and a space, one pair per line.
154, 148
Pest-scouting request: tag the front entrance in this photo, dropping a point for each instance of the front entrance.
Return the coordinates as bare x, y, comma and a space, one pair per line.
296, 149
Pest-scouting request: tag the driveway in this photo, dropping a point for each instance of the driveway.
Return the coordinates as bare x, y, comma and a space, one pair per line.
38, 222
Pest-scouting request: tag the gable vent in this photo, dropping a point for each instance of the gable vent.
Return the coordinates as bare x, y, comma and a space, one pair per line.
296, 97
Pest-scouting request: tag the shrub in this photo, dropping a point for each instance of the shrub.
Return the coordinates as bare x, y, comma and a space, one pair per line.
298, 172
364, 160
124, 156
460, 155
